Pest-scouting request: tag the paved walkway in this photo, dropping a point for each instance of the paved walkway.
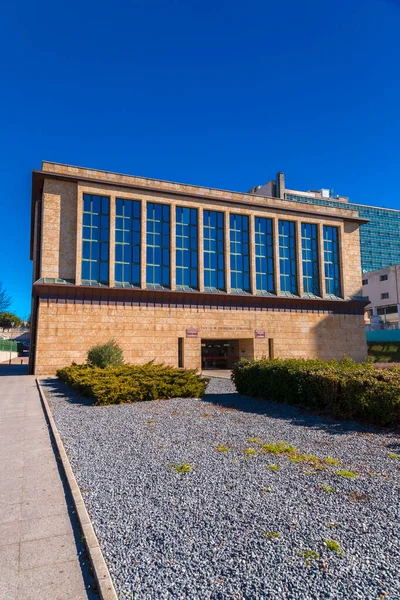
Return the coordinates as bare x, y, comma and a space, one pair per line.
221, 373
41, 554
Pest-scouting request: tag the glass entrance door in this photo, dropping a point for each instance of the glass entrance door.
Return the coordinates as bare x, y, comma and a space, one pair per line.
219, 354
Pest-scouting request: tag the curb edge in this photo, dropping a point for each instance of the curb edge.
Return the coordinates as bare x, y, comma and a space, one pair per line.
100, 569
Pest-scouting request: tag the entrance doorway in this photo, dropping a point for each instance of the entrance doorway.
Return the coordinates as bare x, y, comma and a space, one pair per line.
219, 354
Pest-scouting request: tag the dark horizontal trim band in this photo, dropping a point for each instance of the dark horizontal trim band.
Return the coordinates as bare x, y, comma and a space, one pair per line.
175, 299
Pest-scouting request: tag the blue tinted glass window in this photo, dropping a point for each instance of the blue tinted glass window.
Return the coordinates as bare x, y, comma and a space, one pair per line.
127, 242
239, 253
384, 224
309, 251
95, 239
214, 259
158, 246
186, 248
287, 257
331, 261
264, 255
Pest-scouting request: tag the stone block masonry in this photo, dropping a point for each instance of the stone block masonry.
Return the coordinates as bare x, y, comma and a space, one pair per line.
68, 330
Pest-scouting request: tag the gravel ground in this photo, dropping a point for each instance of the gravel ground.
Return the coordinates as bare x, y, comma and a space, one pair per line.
211, 533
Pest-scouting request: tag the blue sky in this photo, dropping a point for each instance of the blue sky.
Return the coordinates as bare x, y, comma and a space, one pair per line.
218, 93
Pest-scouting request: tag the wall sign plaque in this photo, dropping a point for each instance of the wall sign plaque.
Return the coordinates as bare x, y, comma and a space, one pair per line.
260, 334
192, 333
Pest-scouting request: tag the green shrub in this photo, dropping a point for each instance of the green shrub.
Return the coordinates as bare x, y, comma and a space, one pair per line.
105, 355
132, 383
343, 389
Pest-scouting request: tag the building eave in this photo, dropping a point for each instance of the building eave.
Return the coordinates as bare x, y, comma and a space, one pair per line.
104, 294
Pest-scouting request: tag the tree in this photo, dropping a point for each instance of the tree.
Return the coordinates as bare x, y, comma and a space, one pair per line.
5, 299
7, 319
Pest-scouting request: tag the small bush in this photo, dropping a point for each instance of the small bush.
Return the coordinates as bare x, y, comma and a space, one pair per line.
343, 389
105, 355
132, 383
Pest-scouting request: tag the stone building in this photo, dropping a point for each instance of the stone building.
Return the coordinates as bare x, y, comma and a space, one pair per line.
190, 276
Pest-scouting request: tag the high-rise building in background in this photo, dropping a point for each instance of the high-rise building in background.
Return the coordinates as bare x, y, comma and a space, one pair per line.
379, 238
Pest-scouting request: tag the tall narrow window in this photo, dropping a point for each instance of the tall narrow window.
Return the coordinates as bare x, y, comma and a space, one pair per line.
239, 253
309, 249
331, 261
264, 255
287, 257
158, 246
127, 242
214, 260
95, 239
186, 248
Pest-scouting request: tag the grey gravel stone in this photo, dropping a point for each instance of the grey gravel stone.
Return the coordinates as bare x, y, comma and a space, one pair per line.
203, 535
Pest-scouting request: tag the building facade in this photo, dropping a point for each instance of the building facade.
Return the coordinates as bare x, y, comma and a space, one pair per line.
382, 289
383, 223
191, 276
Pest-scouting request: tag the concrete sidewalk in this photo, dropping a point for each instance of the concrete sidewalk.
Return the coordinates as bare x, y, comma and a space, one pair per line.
41, 553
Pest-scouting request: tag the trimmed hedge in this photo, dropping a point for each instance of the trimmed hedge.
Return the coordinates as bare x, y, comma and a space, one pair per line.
131, 383
343, 389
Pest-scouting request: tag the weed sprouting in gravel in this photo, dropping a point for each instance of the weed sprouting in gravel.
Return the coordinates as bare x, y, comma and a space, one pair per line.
272, 535
331, 461
183, 468
254, 440
308, 555
328, 488
222, 448
278, 448
273, 467
250, 451
305, 458
267, 489
347, 474
394, 456
334, 546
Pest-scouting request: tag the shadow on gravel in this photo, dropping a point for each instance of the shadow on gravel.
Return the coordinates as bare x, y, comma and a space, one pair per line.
58, 389
293, 414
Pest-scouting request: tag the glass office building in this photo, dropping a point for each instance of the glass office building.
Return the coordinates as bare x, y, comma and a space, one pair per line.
384, 225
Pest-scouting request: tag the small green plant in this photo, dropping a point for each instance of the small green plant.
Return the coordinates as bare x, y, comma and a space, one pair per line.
394, 456
305, 458
273, 467
267, 489
332, 461
308, 555
184, 468
346, 473
328, 488
272, 535
334, 546
254, 440
278, 448
250, 451
105, 355
222, 448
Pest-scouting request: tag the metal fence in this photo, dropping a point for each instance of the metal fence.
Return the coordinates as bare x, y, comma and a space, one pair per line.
10, 346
